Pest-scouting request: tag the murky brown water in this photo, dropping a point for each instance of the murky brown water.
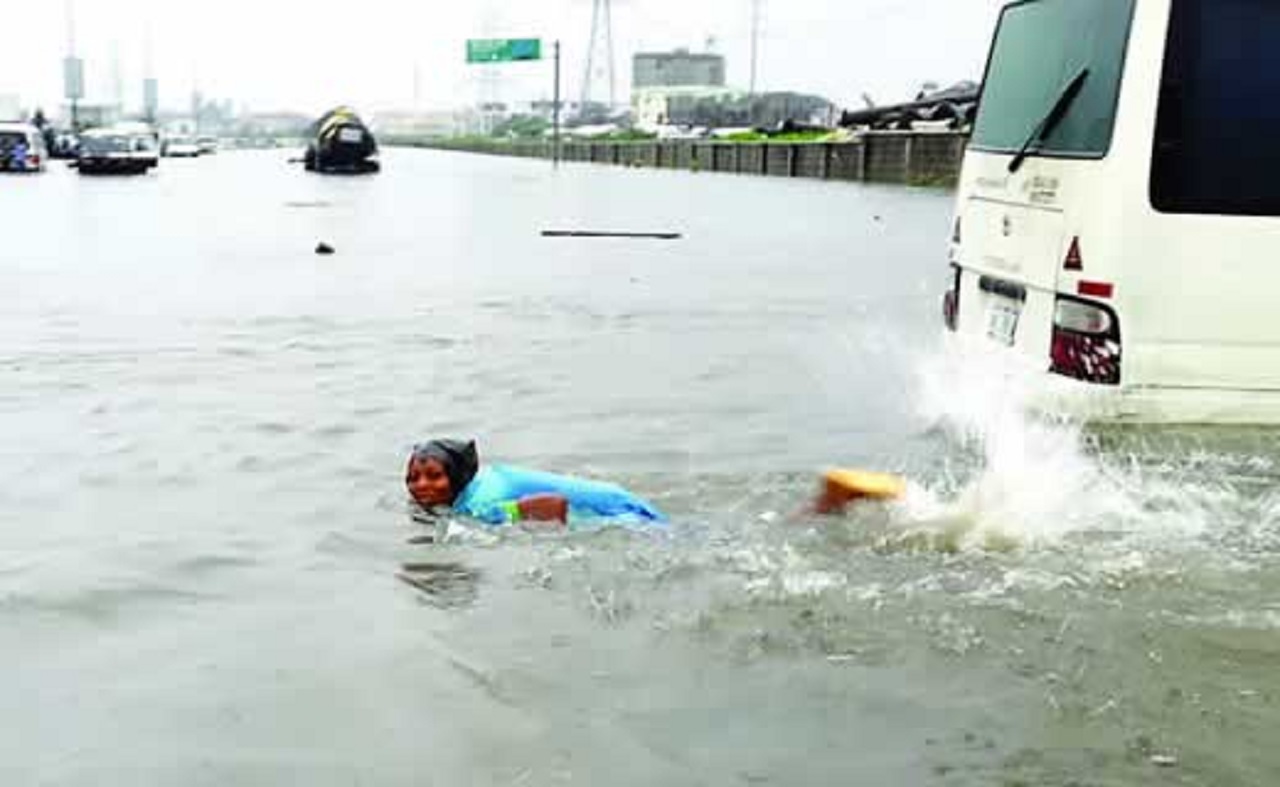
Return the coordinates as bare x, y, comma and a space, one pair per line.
201, 518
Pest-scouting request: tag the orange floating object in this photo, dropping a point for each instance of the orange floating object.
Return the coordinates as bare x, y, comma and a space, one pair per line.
841, 486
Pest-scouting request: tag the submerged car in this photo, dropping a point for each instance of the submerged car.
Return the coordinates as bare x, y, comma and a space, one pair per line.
115, 152
22, 148
341, 144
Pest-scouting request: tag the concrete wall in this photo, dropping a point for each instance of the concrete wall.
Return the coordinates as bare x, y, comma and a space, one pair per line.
913, 158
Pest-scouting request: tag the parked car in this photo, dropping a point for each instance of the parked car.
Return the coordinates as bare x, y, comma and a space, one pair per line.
207, 145
114, 152
65, 145
146, 140
180, 147
22, 148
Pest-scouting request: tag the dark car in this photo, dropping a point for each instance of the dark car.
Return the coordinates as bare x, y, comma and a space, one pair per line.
108, 152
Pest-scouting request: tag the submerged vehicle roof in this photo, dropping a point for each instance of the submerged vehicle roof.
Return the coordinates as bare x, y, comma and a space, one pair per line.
336, 117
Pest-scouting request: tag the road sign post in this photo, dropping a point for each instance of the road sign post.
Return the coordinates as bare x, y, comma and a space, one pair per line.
503, 50
516, 50
555, 115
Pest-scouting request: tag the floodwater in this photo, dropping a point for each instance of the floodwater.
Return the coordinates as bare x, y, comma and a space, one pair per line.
202, 517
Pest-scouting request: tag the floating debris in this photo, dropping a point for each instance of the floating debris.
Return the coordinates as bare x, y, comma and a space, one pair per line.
607, 234
444, 585
324, 248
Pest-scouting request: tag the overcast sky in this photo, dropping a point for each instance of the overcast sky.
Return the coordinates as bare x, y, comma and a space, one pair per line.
291, 54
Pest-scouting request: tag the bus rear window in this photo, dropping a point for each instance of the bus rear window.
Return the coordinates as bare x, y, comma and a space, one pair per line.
1218, 125
1040, 47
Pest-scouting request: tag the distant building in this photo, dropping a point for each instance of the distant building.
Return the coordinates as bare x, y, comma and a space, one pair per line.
93, 114
653, 108
719, 107
10, 107
680, 68
417, 123
272, 124
150, 97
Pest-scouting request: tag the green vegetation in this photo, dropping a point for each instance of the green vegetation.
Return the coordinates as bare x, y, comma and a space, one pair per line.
469, 142
523, 127
624, 135
935, 180
788, 137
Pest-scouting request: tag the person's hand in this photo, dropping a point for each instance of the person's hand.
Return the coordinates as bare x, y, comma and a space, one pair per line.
544, 508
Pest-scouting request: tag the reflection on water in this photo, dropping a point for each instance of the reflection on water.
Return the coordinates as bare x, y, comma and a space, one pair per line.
209, 572
443, 585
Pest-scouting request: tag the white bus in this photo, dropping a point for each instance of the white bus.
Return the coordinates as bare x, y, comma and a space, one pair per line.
1118, 216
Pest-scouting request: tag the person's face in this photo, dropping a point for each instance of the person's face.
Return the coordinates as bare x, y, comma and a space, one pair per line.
428, 483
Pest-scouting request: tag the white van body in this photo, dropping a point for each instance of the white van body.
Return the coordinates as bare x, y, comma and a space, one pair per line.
22, 148
1130, 255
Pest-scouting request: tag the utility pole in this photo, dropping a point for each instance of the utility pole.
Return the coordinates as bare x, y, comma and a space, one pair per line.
755, 42
150, 87
490, 87
72, 69
117, 79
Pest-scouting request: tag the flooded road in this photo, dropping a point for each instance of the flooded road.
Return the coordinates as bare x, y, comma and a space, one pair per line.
202, 513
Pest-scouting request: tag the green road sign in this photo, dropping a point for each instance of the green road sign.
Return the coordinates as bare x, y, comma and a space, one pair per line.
503, 50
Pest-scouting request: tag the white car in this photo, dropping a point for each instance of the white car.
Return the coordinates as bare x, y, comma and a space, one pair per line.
22, 148
180, 147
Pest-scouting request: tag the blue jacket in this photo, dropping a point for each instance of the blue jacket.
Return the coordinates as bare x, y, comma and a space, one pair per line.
492, 494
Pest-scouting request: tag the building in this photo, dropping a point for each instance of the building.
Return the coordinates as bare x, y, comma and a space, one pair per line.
719, 107
94, 114
653, 108
680, 68
393, 124
271, 125
10, 107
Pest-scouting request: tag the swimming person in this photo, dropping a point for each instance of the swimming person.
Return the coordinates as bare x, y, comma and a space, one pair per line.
446, 474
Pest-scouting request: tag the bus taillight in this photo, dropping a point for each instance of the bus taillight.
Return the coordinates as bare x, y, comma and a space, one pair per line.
1086, 342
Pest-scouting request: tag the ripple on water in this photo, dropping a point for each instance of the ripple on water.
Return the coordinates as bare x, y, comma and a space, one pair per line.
103, 603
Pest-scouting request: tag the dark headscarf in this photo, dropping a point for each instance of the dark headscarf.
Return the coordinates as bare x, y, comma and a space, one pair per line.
459, 459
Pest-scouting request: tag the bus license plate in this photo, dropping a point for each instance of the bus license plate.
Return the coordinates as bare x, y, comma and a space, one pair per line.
1002, 320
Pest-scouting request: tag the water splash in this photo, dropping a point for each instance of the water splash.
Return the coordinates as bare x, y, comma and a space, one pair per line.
1033, 479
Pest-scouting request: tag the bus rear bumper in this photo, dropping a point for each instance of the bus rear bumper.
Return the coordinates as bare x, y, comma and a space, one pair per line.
1061, 397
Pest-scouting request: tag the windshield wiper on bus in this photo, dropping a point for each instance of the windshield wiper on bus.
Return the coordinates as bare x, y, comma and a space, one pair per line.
1051, 120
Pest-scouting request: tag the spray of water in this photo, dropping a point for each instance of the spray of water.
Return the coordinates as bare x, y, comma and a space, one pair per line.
1037, 481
